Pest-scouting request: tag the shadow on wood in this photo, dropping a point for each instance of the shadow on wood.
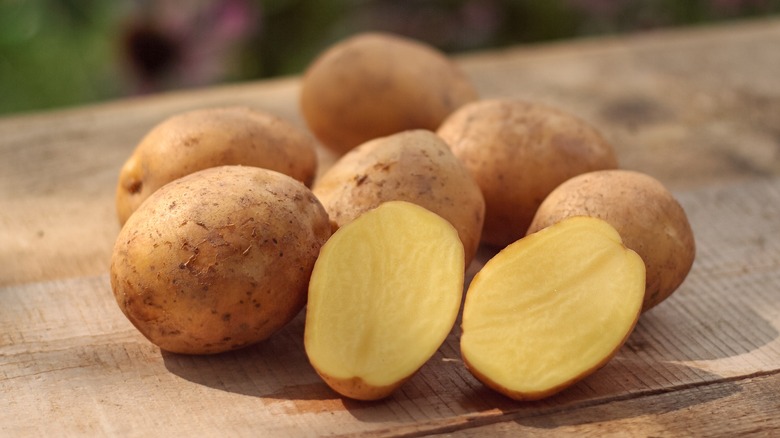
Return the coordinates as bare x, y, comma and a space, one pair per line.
276, 368
579, 405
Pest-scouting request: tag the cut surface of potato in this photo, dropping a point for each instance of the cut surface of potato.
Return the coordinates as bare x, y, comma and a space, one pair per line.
383, 296
551, 308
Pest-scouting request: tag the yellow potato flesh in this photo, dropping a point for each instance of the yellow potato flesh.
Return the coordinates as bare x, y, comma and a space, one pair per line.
551, 308
383, 296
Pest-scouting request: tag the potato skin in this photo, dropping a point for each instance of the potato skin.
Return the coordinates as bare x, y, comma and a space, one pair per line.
647, 216
375, 84
357, 389
203, 138
218, 259
518, 152
414, 166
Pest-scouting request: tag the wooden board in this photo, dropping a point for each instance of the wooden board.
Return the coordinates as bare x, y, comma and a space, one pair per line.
689, 107
727, 409
696, 108
73, 364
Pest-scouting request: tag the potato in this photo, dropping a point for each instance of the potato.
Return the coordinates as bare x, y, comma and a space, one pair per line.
518, 152
374, 84
205, 138
384, 295
218, 259
647, 216
551, 308
414, 166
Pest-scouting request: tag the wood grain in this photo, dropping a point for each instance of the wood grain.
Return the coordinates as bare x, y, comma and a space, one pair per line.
697, 108
689, 107
726, 408
70, 356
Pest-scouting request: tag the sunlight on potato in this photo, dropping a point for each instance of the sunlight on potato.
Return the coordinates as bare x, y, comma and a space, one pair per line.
551, 308
383, 296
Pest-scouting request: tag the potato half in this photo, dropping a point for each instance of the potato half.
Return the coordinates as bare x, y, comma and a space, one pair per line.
373, 85
518, 152
384, 295
218, 259
551, 308
203, 138
645, 213
414, 166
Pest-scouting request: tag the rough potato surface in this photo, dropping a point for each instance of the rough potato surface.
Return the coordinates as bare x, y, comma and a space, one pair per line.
414, 166
218, 259
645, 213
518, 152
203, 138
374, 84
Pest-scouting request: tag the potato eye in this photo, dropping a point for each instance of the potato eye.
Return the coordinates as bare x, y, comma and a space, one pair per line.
134, 186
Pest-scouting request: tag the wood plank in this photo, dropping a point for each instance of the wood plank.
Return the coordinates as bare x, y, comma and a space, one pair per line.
690, 107
744, 407
69, 356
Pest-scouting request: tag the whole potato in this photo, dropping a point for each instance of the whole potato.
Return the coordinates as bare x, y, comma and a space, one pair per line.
518, 152
374, 84
203, 138
647, 216
218, 259
414, 166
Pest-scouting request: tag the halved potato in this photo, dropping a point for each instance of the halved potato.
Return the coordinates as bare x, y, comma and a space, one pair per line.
551, 308
383, 296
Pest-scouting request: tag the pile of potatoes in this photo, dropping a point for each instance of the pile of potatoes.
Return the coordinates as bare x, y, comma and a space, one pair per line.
223, 219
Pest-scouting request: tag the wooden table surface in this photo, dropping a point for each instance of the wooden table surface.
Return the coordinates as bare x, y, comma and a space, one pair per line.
698, 108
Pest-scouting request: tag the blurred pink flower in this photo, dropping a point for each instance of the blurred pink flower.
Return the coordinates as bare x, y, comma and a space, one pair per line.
171, 44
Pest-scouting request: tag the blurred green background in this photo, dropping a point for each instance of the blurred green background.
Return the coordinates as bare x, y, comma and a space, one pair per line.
57, 53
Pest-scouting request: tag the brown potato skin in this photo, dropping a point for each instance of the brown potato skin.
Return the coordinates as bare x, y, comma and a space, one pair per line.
218, 259
203, 138
358, 389
518, 152
375, 84
647, 216
414, 166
